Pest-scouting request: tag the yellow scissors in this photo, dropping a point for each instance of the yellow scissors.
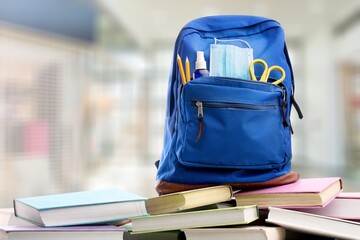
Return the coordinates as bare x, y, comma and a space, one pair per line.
265, 75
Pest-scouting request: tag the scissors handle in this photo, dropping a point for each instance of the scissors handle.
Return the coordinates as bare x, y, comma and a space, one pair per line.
266, 73
276, 68
263, 77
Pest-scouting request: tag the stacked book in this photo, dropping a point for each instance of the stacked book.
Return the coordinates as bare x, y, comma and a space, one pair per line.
304, 209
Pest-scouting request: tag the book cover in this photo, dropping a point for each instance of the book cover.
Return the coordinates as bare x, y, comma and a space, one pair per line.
230, 233
188, 199
344, 206
104, 232
192, 219
309, 192
80, 208
313, 223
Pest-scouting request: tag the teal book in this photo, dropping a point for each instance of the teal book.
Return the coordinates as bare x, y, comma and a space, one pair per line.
80, 208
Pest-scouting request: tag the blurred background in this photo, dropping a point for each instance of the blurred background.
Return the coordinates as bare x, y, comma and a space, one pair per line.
83, 89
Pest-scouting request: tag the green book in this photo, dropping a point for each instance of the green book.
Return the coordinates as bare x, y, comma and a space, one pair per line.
206, 218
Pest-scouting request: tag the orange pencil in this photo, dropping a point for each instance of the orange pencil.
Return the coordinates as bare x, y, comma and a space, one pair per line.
181, 68
187, 70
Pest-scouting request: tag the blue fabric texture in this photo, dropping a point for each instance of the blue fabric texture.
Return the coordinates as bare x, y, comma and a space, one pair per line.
244, 138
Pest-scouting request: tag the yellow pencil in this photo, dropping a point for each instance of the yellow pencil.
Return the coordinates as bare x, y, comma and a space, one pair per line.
181, 68
187, 70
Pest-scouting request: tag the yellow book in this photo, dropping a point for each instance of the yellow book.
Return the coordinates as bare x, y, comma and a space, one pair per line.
179, 201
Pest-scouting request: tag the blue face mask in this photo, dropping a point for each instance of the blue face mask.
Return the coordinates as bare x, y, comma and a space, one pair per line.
228, 60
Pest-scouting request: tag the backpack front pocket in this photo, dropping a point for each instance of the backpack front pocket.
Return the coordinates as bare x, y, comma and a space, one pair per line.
231, 124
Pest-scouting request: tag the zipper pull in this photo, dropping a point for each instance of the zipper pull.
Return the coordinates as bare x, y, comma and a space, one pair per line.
200, 117
200, 109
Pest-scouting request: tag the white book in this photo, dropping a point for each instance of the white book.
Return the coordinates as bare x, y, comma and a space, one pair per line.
314, 224
193, 219
243, 233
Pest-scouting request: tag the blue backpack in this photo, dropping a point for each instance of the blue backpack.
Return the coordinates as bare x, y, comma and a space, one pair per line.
245, 127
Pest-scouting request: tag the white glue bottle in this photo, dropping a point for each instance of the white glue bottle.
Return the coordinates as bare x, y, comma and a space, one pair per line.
200, 66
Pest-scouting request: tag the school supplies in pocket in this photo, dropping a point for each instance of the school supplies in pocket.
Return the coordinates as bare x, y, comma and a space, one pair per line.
221, 130
266, 73
228, 58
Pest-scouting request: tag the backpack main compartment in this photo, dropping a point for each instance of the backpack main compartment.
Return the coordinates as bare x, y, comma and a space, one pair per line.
245, 139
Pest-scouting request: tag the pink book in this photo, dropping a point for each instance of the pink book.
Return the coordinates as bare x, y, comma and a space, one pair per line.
345, 206
306, 192
349, 195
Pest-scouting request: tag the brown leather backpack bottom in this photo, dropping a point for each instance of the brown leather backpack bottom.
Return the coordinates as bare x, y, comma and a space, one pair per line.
163, 187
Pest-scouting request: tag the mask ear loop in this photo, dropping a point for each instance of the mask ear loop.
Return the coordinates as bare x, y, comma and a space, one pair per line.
232, 40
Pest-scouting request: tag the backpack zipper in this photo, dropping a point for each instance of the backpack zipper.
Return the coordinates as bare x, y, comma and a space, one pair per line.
231, 28
200, 107
283, 108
